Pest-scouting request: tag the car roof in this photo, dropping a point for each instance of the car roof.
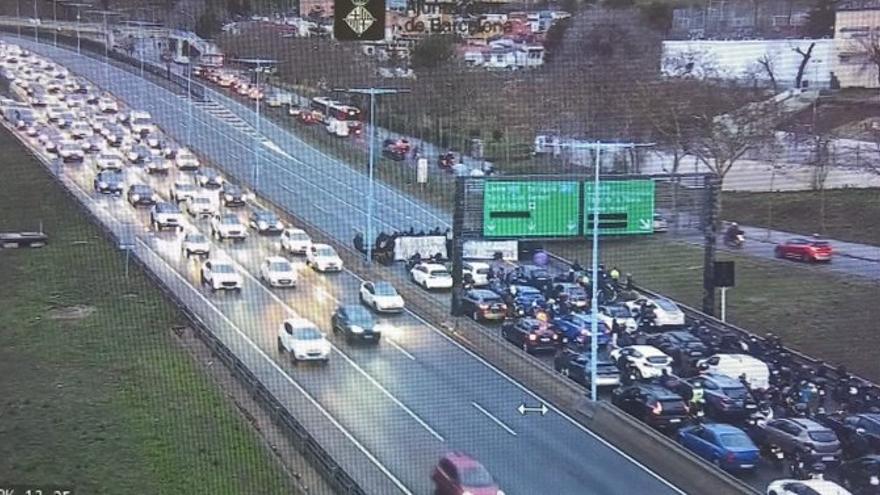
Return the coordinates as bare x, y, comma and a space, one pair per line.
141, 187
875, 417
807, 423
277, 259
657, 390
478, 264
298, 322
320, 246
682, 335
722, 428
484, 293
460, 459
294, 230
822, 486
647, 350
434, 266
723, 380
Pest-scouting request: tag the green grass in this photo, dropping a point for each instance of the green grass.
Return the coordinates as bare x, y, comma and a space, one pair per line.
108, 403
850, 214
829, 317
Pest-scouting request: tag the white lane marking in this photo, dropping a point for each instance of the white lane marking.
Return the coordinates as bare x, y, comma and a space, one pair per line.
493, 418
399, 348
345, 356
247, 339
341, 201
274, 147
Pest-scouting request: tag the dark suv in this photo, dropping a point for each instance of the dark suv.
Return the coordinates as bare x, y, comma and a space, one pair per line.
683, 347
657, 406
532, 335
725, 398
232, 195
142, 194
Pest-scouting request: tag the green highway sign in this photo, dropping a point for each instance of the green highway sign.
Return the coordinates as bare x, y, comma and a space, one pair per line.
625, 207
531, 208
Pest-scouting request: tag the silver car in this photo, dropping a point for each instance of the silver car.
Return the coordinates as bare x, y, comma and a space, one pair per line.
801, 435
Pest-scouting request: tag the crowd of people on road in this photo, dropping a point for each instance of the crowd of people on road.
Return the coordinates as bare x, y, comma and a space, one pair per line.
384, 244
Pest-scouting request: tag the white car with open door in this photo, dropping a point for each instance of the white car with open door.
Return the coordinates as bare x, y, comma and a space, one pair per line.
220, 275
648, 361
381, 296
668, 313
278, 272
303, 340
431, 276
295, 241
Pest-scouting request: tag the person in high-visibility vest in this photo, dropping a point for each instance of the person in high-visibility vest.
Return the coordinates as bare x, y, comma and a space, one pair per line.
615, 274
697, 399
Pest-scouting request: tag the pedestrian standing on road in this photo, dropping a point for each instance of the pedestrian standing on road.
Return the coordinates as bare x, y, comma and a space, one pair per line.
615, 332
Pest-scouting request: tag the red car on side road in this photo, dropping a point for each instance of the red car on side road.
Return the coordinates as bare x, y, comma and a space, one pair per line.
458, 473
803, 249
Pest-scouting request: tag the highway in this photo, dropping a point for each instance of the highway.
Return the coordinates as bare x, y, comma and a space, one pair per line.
385, 413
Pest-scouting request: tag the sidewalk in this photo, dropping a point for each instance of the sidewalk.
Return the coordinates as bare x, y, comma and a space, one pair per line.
863, 252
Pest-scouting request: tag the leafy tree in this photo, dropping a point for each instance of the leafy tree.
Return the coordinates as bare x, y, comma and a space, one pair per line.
554, 37
820, 19
658, 15
433, 51
208, 24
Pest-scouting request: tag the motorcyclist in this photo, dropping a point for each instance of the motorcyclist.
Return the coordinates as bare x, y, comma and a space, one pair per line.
615, 274
358, 242
576, 266
733, 231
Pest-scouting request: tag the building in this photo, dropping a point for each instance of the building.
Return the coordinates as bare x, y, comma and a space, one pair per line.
740, 19
856, 29
503, 54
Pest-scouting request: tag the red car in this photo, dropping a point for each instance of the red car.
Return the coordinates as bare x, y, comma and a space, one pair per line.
804, 250
457, 474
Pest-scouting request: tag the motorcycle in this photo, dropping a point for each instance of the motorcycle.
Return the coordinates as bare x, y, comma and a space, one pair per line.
735, 242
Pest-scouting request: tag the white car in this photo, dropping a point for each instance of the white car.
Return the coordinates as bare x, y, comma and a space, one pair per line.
431, 276
278, 272
479, 272
195, 243
302, 339
155, 164
141, 123
220, 275
620, 313
228, 226
70, 151
201, 204
295, 241
323, 257
109, 161
668, 313
648, 361
182, 190
381, 296
186, 160
800, 487
757, 372
164, 215
107, 104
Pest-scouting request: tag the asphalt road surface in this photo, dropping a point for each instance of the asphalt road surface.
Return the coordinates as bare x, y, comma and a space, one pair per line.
394, 408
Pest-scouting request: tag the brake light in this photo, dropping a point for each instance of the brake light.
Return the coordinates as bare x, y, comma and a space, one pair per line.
533, 337
484, 306
731, 457
657, 409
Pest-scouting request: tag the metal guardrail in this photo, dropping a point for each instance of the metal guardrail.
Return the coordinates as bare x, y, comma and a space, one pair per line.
299, 436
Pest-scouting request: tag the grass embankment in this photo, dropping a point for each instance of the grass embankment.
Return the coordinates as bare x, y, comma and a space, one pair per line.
850, 214
96, 394
826, 316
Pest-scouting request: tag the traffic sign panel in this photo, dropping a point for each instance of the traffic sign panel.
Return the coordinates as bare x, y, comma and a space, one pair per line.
531, 208
625, 207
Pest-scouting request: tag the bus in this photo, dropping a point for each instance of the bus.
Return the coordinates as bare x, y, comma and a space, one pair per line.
333, 110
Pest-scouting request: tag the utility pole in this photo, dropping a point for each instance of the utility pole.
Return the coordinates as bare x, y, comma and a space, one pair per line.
373, 93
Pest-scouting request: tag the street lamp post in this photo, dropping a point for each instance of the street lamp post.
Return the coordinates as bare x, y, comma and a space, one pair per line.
594, 301
260, 64
189, 124
373, 93
36, 23
104, 14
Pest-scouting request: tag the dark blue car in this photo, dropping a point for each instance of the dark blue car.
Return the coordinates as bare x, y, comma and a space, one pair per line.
577, 325
724, 445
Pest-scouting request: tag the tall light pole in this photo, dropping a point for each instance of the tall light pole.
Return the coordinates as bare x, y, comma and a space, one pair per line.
78, 6
104, 14
594, 301
259, 65
36, 23
189, 124
373, 93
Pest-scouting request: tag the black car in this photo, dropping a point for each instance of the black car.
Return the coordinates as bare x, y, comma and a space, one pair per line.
683, 347
655, 405
392, 149
482, 304
356, 323
532, 335
139, 154
538, 277
725, 398
109, 182
142, 195
266, 222
232, 195
862, 475
855, 428
575, 294
575, 364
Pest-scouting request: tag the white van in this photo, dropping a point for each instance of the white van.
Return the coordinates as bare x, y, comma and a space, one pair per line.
338, 128
733, 365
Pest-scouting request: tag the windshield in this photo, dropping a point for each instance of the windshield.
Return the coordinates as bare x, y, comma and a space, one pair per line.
229, 220
673, 406
736, 441
824, 436
618, 312
326, 252
385, 289
267, 217
658, 359
307, 333
223, 268
359, 316
280, 266
440, 272
736, 392
299, 236
196, 238
201, 199
475, 477
666, 305
186, 187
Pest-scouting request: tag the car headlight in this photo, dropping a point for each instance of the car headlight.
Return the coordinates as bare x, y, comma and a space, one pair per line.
136, 197
263, 225
228, 197
155, 197
102, 184
356, 329
279, 225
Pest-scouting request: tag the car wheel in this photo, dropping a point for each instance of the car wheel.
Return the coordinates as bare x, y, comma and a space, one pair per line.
187, 253
202, 278
565, 372
425, 284
778, 253
293, 359
280, 346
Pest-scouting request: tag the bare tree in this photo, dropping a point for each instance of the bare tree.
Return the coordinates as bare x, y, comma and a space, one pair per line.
868, 50
805, 59
767, 62
691, 64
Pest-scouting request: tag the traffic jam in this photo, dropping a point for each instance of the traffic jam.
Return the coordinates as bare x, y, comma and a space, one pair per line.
741, 402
